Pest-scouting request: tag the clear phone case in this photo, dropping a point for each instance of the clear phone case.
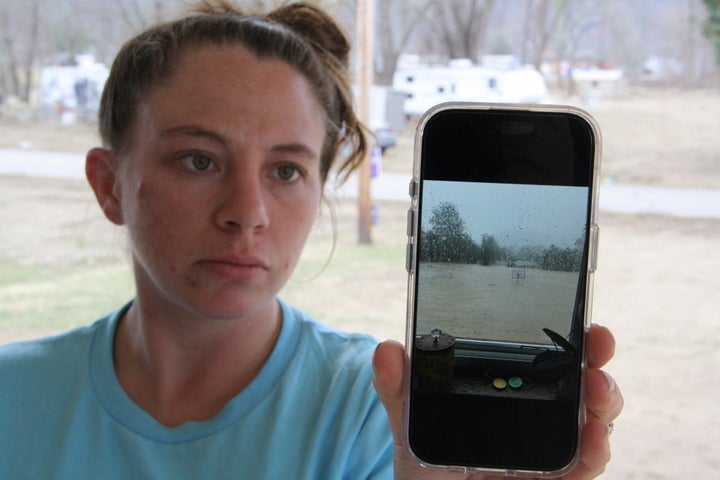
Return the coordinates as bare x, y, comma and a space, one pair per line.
414, 214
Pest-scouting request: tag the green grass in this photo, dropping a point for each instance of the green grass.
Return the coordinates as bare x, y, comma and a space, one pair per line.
32, 298
362, 288
337, 287
319, 259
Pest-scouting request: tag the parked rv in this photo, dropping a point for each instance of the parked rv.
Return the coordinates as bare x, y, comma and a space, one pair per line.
426, 86
73, 92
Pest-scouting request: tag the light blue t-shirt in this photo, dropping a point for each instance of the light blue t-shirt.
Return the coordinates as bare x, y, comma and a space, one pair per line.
311, 413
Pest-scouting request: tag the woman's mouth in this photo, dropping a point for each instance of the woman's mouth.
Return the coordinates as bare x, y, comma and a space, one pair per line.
236, 269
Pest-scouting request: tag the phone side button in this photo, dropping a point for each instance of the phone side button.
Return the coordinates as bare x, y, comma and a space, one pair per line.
594, 243
409, 258
410, 222
412, 188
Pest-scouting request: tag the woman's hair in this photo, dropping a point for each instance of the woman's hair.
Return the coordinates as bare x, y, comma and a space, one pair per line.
299, 34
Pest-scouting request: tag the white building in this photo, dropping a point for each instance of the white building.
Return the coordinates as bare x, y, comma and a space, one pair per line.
462, 81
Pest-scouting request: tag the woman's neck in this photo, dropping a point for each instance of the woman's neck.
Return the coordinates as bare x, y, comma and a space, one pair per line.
178, 368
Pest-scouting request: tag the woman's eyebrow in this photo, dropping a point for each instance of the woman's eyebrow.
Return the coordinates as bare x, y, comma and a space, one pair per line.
296, 149
193, 131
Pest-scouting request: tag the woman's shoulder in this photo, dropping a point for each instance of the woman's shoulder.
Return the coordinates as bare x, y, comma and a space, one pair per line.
39, 348
331, 346
327, 335
50, 353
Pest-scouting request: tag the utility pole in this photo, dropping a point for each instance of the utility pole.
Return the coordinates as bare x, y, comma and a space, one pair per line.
365, 40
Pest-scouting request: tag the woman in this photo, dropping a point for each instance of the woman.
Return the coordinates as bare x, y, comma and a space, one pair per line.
219, 131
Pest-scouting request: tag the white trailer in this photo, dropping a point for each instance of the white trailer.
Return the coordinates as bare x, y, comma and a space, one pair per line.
425, 87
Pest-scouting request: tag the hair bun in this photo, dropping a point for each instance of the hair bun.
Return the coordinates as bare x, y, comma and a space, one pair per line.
317, 28
215, 7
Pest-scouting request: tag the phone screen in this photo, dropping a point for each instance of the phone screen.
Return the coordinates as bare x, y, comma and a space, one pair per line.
503, 210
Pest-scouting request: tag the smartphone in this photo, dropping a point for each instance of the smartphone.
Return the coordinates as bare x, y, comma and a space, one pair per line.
502, 245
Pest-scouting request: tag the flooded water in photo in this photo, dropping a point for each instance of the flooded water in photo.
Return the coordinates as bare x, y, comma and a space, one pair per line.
495, 302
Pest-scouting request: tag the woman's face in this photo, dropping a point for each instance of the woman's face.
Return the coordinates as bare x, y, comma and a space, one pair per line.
221, 184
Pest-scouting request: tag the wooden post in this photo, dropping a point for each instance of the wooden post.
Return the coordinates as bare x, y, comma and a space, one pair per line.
365, 39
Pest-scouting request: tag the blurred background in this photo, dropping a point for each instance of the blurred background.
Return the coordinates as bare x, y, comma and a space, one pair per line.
55, 53
647, 70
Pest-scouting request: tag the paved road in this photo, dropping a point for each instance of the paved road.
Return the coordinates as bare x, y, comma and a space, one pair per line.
698, 203
42, 164
681, 202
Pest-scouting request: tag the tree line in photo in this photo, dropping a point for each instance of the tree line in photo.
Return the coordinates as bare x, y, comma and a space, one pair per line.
447, 241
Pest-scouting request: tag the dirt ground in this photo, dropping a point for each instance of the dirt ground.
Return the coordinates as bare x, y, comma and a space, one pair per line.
656, 285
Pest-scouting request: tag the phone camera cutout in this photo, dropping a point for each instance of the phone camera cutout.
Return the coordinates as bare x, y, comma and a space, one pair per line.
517, 128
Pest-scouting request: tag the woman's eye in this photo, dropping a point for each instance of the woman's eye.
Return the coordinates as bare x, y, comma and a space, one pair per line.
196, 161
287, 173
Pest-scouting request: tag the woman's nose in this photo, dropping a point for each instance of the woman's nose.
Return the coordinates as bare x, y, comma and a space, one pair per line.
243, 203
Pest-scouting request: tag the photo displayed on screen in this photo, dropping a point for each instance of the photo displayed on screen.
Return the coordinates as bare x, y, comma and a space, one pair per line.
499, 261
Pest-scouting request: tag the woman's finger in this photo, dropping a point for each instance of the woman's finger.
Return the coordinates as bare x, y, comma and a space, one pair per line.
601, 346
602, 395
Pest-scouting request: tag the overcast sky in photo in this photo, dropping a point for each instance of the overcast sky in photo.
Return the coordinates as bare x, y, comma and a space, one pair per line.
516, 215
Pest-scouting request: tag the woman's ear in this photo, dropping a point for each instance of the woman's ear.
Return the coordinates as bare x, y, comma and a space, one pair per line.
101, 172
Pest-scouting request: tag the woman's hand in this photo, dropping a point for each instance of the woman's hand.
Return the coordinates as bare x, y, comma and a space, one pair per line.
603, 399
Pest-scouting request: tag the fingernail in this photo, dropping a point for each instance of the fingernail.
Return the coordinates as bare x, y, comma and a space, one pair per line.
373, 361
611, 382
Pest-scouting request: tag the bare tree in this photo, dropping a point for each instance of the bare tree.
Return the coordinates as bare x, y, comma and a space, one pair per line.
396, 23
462, 26
10, 65
33, 31
20, 40
132, 14
711, 27
542, 21
139, 14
